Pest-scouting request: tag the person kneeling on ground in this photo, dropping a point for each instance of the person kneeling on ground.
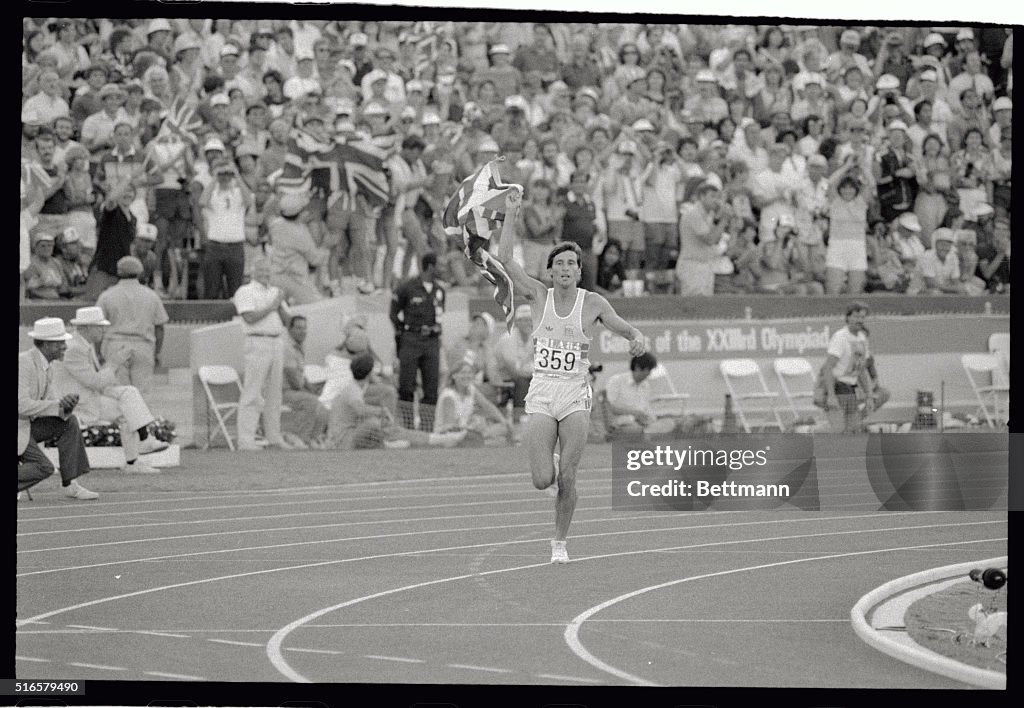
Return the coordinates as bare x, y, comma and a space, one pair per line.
629, 399
357, 423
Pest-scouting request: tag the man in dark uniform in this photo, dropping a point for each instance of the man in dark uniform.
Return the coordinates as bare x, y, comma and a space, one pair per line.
416, 309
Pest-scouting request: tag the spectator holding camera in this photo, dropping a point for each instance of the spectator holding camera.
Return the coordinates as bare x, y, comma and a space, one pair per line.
895, 173
622, 193
224, 203
701, 224
659, 213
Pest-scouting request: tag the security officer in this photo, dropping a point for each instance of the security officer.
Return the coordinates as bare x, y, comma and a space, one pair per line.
416, 309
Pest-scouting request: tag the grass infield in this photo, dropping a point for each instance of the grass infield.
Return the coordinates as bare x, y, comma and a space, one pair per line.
936, 620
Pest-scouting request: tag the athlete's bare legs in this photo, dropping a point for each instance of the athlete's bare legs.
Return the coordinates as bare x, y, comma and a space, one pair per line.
572, 434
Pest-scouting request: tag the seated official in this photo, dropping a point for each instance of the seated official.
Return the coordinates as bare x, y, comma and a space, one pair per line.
464, 407
102, 399
44, 415
629, 398
306, 418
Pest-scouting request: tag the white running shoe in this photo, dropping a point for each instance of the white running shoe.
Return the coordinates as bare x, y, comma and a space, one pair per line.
139, 467
77, 491
558, 552
151, 445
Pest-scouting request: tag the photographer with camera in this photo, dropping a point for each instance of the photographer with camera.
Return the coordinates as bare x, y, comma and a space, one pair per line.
701, 224
658, 212
224, 203
895, 173
622, 193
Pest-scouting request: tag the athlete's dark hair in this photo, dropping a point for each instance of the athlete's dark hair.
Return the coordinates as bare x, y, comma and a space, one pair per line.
562, 248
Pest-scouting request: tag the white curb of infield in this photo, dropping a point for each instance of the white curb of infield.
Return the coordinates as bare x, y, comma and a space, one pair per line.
915, 654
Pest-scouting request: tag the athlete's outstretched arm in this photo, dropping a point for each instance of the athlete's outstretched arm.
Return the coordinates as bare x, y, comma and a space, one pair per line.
531, 288
611, 319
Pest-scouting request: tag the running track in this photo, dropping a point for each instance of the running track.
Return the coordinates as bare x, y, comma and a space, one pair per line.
446, 580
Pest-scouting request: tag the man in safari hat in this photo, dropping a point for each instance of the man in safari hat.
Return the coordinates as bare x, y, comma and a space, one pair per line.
101, 398
43, 415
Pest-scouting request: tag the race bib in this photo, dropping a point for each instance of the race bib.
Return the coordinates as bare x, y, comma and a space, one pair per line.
558, 356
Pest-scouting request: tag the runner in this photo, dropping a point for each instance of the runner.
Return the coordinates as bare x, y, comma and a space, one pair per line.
559, 399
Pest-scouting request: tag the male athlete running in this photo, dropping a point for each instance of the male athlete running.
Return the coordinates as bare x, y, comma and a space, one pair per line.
559, 399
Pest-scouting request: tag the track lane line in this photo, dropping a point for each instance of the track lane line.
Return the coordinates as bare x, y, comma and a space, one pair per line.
274, 651
571, 634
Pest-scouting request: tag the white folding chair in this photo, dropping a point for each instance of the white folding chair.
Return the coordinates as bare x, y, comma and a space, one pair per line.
746, 384
222, 411
999, 345
669, 402
800, 372
981, 370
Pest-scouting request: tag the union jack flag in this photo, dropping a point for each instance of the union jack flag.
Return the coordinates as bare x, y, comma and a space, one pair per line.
476, 212
340, 169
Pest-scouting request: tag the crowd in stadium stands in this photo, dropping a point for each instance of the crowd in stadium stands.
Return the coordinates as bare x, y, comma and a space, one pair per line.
694, 159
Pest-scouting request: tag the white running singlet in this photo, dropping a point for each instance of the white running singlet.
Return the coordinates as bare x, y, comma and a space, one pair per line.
561, 351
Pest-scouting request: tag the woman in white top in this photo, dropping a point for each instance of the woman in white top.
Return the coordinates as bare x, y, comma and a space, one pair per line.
462, 407
848, 227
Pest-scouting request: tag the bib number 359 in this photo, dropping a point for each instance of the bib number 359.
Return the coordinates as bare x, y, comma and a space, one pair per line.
556, 359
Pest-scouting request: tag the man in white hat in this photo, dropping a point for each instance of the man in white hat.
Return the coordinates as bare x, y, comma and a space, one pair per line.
262, 309
295, 253
305, 80
137, 318
1002, 111
72, 261
43, 415
973, 76
895, 173
394, 85
939, 266
507, 79
622, 190
98, 129
707, 104
224, 203
838, 62
143, 248
102, 399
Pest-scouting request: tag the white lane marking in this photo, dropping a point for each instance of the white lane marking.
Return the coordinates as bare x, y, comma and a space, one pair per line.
702, 620
480, 668
95, 629
274, 645
181, 677
316, 651
400, 520
237, 644
343, 539
236, 532
572, 629
529, 499
399, 659
646, 516
96, 666
559, 677
159, 634
41, 661
379, 556
521, 485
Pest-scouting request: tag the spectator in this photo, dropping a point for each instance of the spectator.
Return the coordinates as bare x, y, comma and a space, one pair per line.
972, 168
967, 260
72, 262
934, 180
542, 227
137, 318
357, 423
87, 98
44, 279
224, 203
939, 266
101, 398
907, 242
622, 192
846, 258
48, 104
994, 258
114, 234
98, 128
514, 352
661, 180
143, 249
885, 272
579, 225
408, 177
306, 418
42, 416
463, 408
294, 252
701, 224
611, 273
